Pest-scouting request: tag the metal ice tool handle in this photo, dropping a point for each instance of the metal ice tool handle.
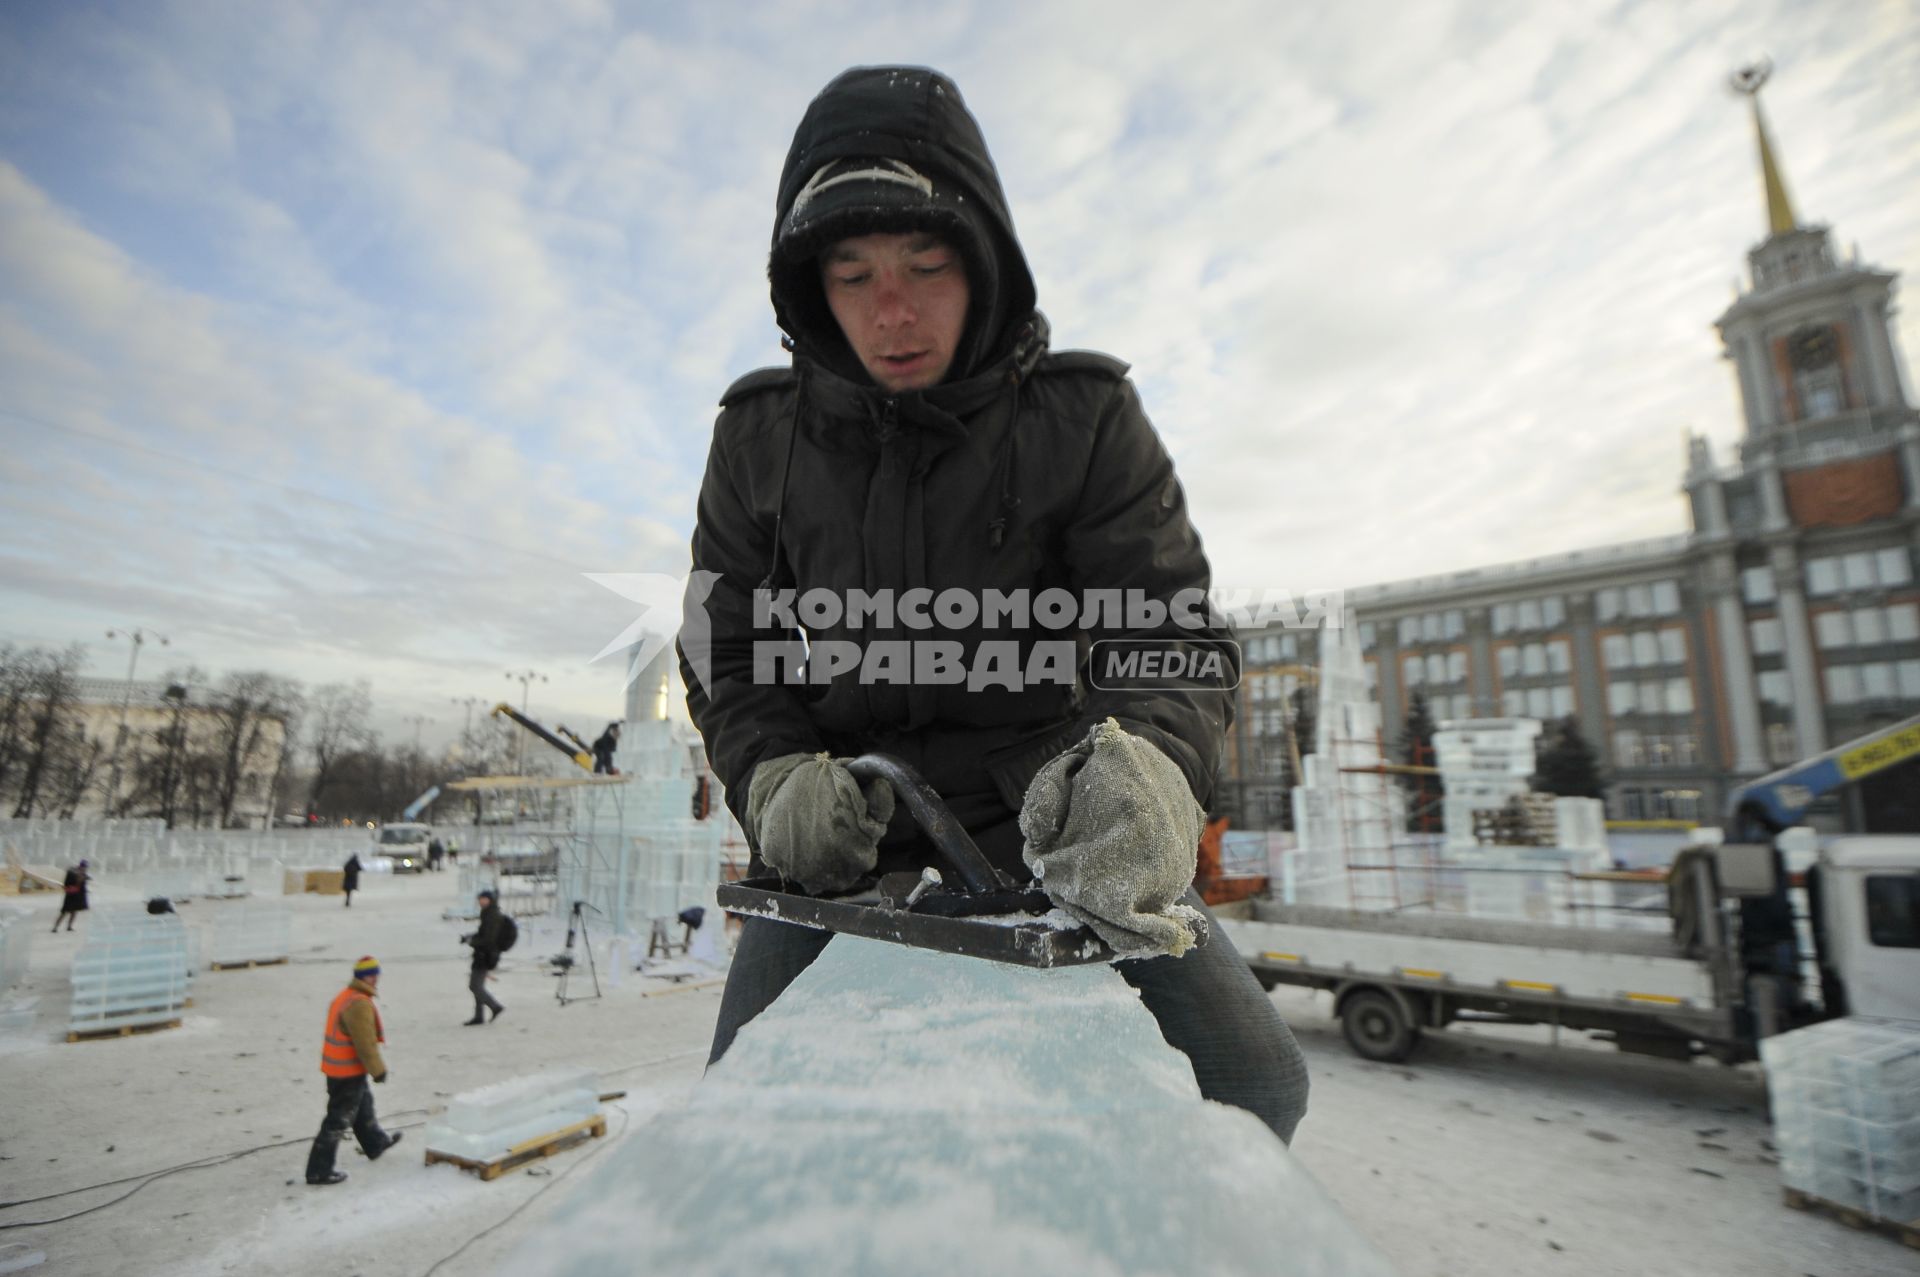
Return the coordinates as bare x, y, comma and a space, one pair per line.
930, 812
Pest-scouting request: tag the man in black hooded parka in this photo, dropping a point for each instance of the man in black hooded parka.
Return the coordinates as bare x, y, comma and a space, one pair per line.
925, 441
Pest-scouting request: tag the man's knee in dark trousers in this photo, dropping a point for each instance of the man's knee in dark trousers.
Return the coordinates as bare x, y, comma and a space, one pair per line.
1212, 1010
349, 1108
481, 998
1208, 1005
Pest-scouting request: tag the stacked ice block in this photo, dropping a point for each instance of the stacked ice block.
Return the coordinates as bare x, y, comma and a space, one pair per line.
252, 933
1846, 1113
134, 969
16, 931
486, 1124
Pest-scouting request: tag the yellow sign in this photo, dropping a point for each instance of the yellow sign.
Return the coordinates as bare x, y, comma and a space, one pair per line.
1881, 754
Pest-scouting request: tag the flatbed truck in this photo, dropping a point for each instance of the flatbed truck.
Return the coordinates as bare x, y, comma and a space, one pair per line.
1727, 974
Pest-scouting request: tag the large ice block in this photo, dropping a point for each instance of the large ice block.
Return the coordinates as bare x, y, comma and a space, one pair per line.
484, 1124
252, 933
1846, 1112
16, 939
133, 969
904, 1112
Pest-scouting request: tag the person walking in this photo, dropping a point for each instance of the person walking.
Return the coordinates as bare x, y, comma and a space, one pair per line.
486, 956
349, 1055
350, 877
73, 899
924, 441
436, 850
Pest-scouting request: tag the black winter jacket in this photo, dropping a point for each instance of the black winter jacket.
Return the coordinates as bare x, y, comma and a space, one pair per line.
1023, 471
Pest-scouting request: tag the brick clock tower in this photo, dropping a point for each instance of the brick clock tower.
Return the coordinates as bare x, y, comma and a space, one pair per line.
1806, 544
1831, 437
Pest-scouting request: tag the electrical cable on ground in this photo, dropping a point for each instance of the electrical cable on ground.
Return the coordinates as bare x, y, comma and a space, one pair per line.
626, 1121
221, 1159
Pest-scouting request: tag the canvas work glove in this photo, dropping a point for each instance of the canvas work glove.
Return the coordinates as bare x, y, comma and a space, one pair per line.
1113, 834
814, 823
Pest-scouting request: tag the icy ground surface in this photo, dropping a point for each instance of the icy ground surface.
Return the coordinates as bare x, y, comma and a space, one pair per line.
1490, 1152
902, 1112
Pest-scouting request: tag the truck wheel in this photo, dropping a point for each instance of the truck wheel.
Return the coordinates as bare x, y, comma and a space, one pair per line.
1376, 1027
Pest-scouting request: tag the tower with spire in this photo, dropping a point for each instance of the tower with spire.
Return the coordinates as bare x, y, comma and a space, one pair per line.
1809, 334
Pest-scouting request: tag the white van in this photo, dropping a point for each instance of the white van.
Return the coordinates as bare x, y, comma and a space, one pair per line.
404, 845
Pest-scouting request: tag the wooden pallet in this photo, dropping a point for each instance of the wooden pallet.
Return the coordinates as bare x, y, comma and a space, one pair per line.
119, 1030
1854, 1218
532, 1150
248, 965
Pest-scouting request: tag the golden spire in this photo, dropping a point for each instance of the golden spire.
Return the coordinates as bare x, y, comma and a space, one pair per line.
1747, 82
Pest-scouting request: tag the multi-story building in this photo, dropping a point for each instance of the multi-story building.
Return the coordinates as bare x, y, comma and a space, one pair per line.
1785, 622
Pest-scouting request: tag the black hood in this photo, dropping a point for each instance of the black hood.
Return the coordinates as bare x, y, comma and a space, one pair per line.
914, 116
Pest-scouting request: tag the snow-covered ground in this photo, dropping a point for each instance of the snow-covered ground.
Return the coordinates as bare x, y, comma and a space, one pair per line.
1492, 1151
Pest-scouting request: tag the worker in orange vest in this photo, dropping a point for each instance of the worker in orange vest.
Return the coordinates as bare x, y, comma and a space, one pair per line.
349, 1054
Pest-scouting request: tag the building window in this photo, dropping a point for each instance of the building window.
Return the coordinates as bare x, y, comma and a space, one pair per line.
1775, 688
1652, 696
1607, 604
1907, 675
1560, 657
1409, 631
1553, 611
1621, 699
1894, 567
1436, 667
1502, 618
1626, 749
1679, 696
1903, 623
1823, 576
1456, 667
1533, 659
1673, 646
1843, 684
1666, 598
1366, 636
1876, 681
1646, 649
1830, 630
1526, 614
1615, 652
1781, 749
1507, 660
1561, 700
1765, 633
1514, 702
1756, 585
1413, 671
1454, 623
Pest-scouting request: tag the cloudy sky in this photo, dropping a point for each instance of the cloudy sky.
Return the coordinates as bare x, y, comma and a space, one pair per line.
342, 339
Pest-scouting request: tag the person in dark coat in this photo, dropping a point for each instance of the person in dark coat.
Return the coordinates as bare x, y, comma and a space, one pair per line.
925, 441
436, 851
73, 899
486, 956
350, 877
603, 751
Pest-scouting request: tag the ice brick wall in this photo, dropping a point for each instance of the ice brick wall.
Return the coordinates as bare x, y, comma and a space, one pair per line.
1846, 1113
133, 969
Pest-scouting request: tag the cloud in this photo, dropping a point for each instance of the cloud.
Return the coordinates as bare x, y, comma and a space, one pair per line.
351, 337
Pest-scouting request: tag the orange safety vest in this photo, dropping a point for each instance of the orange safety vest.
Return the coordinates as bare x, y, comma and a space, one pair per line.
337, 1056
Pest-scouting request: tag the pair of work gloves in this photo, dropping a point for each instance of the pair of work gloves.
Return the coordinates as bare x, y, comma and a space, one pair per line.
1112, 834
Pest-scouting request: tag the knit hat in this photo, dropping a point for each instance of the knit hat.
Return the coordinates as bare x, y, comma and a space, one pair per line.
366, 969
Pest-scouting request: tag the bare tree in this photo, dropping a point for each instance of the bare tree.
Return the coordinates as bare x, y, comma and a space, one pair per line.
338, 717
13, 713
50, 696
160, 774
247, 709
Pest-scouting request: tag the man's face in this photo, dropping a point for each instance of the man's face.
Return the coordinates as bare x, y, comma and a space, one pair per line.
901, 300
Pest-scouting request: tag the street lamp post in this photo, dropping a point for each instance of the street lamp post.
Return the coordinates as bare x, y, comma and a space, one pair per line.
136, 639
418, 721
526, 680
